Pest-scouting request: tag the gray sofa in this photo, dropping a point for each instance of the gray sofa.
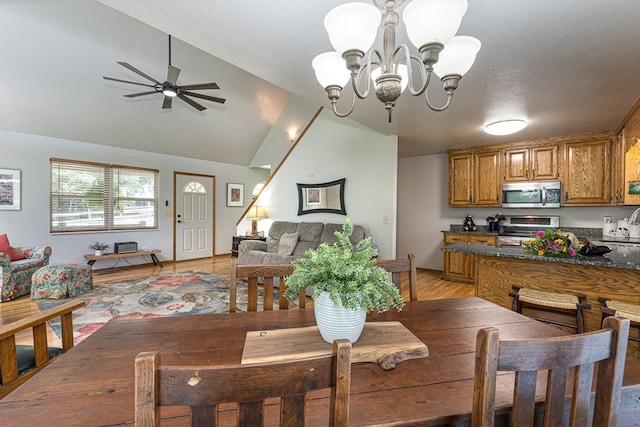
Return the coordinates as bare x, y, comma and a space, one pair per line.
310, 235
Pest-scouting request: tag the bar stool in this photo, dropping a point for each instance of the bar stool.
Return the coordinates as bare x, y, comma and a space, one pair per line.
552, 302
622, 309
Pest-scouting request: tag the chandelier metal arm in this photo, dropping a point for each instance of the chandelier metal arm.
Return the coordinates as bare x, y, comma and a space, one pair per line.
450, 85
357, 73
334, 94
425, 72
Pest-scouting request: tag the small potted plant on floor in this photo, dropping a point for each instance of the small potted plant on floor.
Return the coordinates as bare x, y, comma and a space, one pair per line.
98, 247
346, 284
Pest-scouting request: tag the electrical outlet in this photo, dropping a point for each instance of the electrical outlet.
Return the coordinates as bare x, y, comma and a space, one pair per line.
385, 219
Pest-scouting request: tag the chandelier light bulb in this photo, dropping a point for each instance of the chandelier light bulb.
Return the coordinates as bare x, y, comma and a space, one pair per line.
457, 57
352, 26
430, 21
330, 69
505, 127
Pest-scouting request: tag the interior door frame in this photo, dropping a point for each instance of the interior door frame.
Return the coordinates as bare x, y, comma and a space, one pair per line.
213, 209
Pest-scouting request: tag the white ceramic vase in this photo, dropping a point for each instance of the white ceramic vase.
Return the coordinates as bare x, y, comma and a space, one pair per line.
98, 252
335, 322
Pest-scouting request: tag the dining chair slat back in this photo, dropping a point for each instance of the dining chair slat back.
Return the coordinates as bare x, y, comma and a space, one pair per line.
267, 274
13, 370
404, 265
204, 388
565, 357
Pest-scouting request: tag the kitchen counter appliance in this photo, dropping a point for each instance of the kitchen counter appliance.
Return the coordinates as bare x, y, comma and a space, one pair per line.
531, 195
517, 228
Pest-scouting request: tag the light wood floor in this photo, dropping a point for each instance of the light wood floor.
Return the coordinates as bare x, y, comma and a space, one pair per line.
430, 286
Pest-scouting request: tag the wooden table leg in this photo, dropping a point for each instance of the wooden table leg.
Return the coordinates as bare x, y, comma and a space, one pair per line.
155, 260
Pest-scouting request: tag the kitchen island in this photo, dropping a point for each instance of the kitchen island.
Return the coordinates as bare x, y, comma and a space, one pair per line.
615, 275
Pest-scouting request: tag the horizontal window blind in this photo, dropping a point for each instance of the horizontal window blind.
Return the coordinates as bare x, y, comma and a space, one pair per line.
86, 196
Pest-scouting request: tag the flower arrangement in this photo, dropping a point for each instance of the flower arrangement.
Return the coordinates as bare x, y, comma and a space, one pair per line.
550, 243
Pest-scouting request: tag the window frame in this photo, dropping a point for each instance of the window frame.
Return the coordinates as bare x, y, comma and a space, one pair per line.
109, 198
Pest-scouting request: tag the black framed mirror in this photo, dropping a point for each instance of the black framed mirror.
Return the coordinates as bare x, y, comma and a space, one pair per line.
324, 197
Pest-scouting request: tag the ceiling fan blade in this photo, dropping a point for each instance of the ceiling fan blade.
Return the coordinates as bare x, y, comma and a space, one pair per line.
133, 95
191, 102
135, 70
167, 102
172, 74
127, 81
207, 97
200, 86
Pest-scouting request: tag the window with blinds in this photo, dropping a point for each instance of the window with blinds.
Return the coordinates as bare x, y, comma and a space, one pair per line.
87, 196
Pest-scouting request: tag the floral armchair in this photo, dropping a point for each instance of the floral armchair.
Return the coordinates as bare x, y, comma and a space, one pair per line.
16, 275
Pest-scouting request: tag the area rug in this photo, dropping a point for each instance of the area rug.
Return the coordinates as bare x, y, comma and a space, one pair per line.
175, 294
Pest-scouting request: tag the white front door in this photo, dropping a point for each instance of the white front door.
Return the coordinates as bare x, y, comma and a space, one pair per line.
194, 197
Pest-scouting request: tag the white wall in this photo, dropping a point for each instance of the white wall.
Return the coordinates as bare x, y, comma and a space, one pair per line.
424, 211
332, 149
29, 226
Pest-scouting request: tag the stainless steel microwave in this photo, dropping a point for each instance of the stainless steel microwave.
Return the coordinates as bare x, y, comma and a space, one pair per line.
531, 195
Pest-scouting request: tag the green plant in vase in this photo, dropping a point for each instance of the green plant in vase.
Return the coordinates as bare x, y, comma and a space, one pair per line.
346, 275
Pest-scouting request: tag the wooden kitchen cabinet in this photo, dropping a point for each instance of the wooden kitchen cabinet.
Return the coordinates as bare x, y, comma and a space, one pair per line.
587, 172
460, 179
626, 167
538, 163
487, 187
474, 178
461, 267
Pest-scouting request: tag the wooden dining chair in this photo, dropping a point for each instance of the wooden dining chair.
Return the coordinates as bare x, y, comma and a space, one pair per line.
18, 363
568, 356
398, 266
203, 388
267, 274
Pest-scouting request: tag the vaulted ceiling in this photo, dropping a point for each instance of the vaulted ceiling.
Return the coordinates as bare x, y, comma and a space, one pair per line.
567, 67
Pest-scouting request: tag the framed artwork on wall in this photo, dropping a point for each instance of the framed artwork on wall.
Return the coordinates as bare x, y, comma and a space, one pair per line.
9, 189
235, 194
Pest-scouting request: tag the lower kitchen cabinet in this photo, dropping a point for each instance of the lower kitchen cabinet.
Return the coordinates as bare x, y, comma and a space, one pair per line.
461, 267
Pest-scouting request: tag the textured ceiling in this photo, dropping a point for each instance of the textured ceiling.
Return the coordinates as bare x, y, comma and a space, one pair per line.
567, 67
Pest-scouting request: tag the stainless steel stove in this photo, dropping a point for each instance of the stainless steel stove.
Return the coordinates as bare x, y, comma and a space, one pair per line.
517, 228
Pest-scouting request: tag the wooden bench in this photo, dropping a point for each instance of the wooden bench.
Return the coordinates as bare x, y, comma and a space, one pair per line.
10, 377
91, 258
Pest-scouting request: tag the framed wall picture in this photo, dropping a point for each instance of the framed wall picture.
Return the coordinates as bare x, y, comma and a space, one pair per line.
9, 189
235, 194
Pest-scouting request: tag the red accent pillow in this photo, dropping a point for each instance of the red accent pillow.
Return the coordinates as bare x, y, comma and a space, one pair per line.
6, 248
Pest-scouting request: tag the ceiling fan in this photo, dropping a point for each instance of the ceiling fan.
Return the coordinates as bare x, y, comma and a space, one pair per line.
170, 88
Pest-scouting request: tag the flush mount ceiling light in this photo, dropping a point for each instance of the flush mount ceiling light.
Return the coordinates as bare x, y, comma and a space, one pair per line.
431, 25
505, 127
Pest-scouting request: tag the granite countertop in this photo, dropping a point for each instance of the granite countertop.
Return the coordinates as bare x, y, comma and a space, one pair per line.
622, 256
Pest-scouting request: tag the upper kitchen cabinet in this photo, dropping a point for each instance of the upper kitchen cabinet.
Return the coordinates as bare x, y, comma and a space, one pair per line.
474, 178
587, 170
538, 163
460, 178
487, 188
626, 161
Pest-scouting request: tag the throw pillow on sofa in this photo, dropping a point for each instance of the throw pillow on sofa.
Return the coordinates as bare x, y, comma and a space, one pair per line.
288, 243
8, 249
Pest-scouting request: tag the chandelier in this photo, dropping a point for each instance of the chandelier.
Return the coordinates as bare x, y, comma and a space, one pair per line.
431, 26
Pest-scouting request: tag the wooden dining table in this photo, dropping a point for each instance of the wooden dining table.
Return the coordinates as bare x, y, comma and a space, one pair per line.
93, 383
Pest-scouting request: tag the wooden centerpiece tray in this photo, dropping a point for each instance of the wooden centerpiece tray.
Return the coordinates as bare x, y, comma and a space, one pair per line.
384, 343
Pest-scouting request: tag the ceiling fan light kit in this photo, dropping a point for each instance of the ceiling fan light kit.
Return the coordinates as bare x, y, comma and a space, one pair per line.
431, 27
170, 88
505, 127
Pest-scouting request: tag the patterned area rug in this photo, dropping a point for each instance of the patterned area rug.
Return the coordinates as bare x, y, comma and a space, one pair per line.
175, 294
